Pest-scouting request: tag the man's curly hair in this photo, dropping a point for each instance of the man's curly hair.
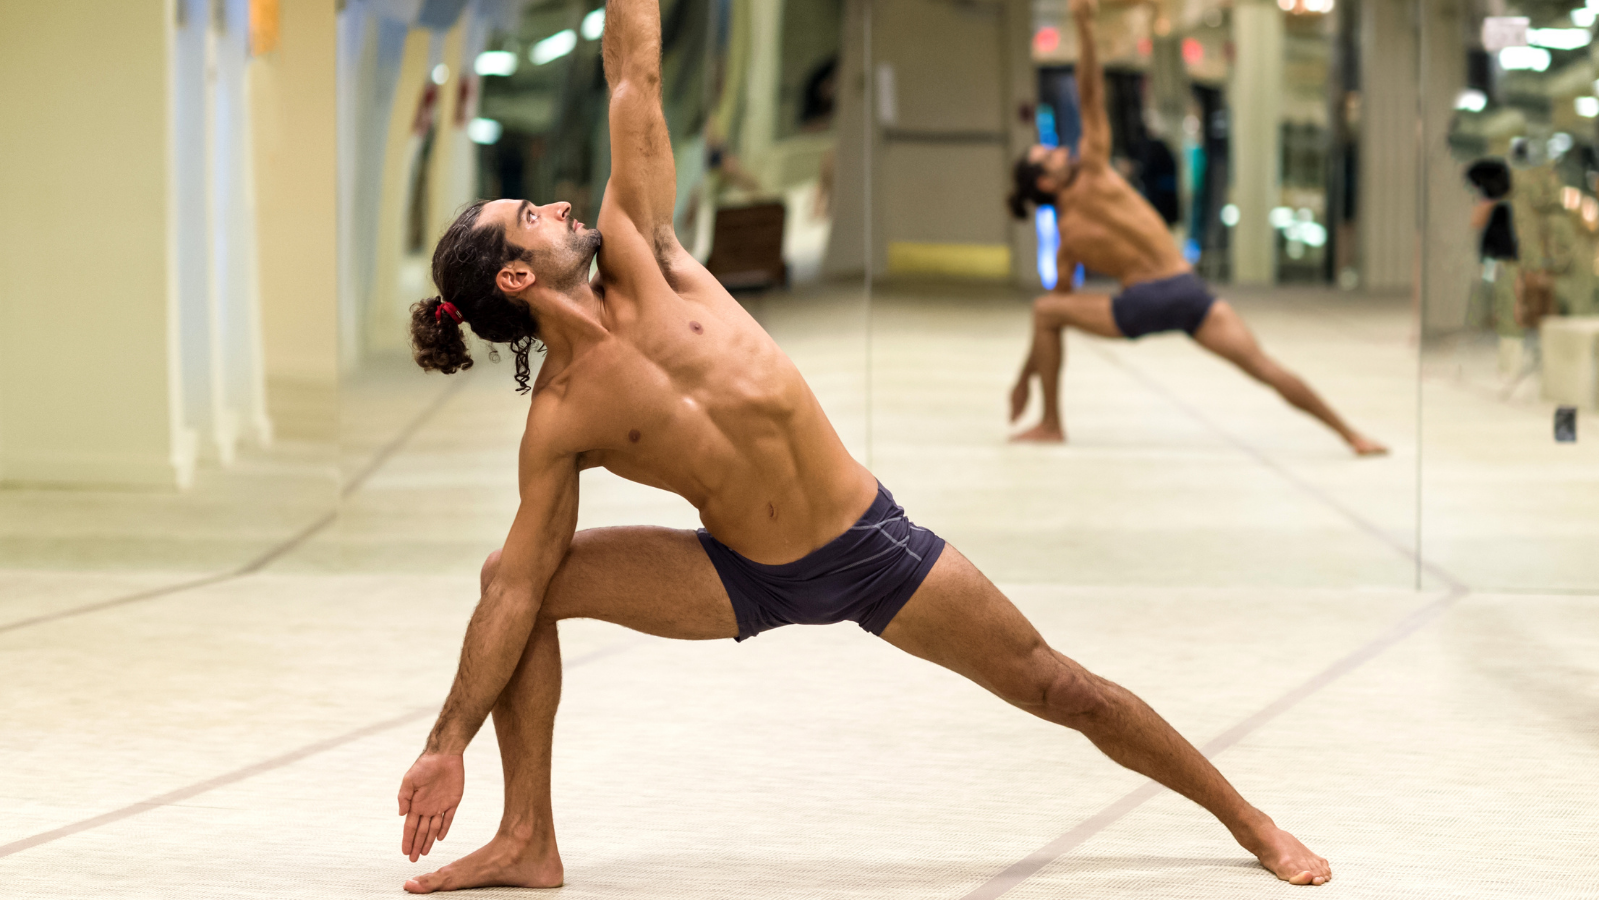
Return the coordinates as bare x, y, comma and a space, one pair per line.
465, 263
1026, 174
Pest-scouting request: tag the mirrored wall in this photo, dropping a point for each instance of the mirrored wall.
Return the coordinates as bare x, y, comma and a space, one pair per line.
1242, 148
1509, 315
1398, 201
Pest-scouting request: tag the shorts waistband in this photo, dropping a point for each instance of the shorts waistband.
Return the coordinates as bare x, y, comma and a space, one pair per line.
882, 510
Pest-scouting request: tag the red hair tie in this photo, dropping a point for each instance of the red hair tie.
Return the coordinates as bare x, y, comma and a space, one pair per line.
446, 306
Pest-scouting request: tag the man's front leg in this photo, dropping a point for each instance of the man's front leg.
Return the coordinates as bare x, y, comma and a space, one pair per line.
523, 852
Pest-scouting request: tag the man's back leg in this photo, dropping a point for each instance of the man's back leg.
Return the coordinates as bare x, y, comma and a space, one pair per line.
1052, 313
1225, 334
655, 580
958, 619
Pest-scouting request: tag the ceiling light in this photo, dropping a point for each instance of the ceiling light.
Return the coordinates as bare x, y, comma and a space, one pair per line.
553, 47
495, 62
1560, 38
484, 131
1527, 58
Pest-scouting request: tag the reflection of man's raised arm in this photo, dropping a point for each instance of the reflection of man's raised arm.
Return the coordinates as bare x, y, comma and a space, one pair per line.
643, 177
1095, 145
495, 638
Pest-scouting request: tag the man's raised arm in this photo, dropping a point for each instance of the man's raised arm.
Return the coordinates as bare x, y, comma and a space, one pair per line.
1095, 145
495, 640
643, 177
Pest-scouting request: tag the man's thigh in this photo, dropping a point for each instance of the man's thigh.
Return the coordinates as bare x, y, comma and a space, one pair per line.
960, 620
655, 580
1085, 312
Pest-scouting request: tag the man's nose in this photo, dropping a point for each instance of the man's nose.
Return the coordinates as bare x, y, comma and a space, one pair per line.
563, 209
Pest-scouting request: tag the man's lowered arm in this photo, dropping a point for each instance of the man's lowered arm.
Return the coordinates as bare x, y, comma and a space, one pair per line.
495, 639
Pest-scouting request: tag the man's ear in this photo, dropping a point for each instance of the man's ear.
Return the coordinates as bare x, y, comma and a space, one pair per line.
514, 277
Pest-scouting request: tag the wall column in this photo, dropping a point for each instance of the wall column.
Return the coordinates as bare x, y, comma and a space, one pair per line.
1255, 136
1388, 176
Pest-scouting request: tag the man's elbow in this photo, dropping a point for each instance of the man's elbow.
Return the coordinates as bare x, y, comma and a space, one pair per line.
512, 597
639, 83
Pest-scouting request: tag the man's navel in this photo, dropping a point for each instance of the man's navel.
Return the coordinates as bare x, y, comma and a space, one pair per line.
771, 511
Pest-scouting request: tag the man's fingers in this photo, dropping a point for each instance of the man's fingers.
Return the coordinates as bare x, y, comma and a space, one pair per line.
435, 825
449, 816
409, 836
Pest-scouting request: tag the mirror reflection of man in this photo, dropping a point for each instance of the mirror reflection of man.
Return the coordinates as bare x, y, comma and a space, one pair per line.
654, 372
1109, 228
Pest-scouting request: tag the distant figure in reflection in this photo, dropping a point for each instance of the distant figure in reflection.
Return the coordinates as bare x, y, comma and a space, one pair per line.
654, 372
1105, 225
1498, 248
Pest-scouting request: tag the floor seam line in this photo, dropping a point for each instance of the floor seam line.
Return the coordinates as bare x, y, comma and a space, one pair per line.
1370, 528
277, 762
272, 554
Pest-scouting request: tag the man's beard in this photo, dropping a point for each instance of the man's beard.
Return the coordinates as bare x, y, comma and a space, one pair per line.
581, 249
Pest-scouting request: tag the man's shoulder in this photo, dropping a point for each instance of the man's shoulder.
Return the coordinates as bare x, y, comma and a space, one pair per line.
570, 408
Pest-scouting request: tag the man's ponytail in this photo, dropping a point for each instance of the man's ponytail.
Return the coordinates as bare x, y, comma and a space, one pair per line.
437, 338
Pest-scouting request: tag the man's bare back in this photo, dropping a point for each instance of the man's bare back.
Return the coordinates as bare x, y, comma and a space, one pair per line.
654, 372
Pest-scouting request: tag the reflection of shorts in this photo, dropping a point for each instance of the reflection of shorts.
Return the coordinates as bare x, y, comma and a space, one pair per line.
1178, 303
864, 575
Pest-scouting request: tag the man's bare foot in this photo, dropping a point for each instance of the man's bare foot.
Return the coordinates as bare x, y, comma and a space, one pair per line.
1286, 857
1043, 433
1365, 446
502, 862
1019, 395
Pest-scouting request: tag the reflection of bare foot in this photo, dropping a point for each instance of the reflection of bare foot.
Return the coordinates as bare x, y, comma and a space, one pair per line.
502, 862
1019, 395
1365, 446
1042, 433
1286, 857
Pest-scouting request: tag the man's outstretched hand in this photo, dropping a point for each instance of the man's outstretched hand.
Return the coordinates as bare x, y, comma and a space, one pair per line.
428, 797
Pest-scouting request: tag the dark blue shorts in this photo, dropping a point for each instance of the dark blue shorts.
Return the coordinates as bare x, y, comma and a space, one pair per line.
864, 575
1178, 303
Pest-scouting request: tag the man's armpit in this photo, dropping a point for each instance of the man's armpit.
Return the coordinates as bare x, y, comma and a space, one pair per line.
665, 246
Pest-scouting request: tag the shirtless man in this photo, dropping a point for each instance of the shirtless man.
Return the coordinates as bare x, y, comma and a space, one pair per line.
654, 372
1105, 225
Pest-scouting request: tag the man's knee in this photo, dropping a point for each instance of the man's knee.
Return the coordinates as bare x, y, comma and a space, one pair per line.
1054, 689
1046, 313
490, 566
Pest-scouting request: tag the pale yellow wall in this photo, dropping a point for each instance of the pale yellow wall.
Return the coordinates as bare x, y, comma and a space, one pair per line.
83, 242
292, 106
454, 156
386, 319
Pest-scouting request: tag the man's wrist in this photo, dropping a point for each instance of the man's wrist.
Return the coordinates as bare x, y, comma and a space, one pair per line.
442, 742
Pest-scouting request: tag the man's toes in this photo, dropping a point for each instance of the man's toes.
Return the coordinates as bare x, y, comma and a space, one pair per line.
425, 884
1301, 878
